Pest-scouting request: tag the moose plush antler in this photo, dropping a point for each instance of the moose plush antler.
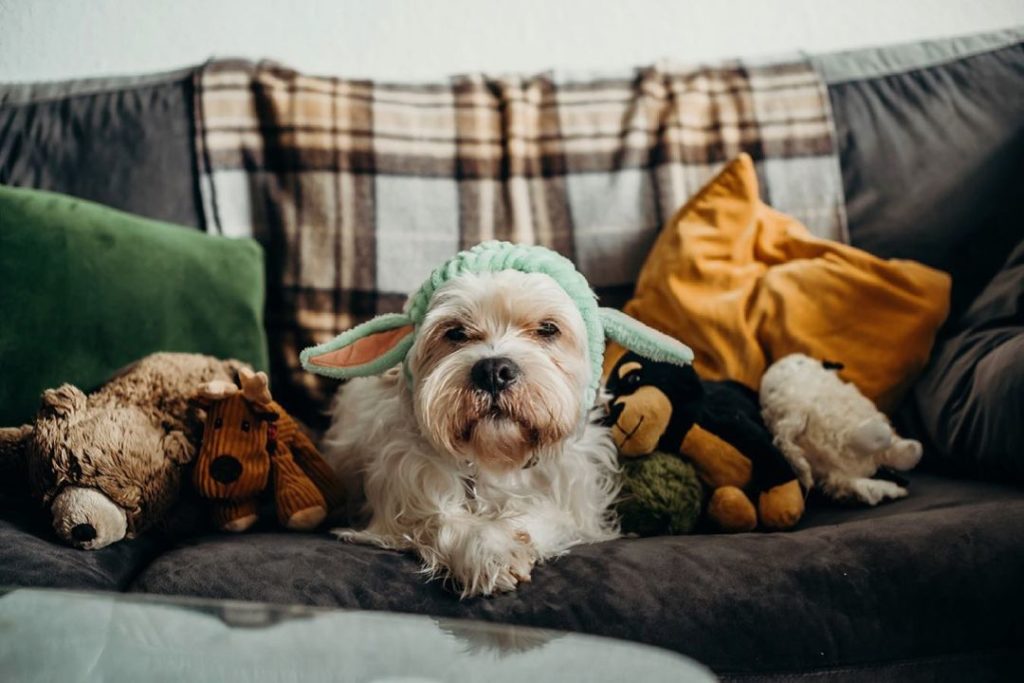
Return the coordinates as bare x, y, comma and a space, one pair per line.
250, 442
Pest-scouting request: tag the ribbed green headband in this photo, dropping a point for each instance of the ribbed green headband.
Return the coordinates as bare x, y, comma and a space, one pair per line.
382, 343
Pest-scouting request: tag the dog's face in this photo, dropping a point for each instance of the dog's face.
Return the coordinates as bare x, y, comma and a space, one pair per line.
500, 368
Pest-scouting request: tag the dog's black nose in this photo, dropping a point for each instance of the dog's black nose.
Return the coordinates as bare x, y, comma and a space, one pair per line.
83, 533
494, 375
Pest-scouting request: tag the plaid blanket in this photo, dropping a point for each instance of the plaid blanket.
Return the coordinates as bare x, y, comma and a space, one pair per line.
358, 189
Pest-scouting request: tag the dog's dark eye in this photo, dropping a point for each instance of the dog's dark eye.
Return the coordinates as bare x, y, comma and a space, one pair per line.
218, 423
456, 334
632, 380
245, 425
548, 329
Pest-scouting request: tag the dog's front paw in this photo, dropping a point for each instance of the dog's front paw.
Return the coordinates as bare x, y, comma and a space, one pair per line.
494, 560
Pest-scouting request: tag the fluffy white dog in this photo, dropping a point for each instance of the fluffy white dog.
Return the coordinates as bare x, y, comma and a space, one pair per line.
483, 467
478, 450
832, 435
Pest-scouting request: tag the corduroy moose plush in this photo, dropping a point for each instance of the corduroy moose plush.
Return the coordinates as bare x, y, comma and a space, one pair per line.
251, 444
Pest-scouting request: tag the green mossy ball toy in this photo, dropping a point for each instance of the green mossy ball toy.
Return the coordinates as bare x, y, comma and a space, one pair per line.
661, 494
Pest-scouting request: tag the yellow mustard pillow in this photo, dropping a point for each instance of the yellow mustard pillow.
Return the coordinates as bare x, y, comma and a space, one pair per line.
744, 285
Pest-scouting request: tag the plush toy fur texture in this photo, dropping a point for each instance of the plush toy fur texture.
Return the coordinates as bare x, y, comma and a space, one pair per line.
833, 436
107, 465
714, 425
250, 443
661, 494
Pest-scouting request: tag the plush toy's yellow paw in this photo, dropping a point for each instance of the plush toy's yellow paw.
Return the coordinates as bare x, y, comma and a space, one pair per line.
731, 510
781, 507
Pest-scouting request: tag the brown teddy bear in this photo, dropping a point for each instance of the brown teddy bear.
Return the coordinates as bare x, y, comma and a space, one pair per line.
107, 466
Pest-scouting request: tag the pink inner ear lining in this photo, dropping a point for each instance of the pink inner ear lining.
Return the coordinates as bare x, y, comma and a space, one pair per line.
363, 350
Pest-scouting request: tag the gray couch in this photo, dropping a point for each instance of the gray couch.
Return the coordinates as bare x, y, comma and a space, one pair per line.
931, 140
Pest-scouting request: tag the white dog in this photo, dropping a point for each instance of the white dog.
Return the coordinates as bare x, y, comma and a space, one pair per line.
482, 467
478, 452
831, 434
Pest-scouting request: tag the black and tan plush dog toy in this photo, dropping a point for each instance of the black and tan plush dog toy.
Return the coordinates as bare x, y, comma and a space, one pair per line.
714, 425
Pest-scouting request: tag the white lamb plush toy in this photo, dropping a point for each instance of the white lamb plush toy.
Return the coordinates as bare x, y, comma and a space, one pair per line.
833, 436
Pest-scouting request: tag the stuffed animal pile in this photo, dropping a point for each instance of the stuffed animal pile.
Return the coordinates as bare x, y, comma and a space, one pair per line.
108, 465
112, 464
715, 427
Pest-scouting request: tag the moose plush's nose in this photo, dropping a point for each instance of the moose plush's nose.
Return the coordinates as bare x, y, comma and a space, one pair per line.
82, 533
494, 375
225, 468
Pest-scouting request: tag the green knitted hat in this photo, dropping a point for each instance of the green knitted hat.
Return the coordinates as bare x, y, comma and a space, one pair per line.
382, 343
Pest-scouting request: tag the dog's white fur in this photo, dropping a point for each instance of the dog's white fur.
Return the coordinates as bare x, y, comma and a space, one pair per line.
830, 433
481, 488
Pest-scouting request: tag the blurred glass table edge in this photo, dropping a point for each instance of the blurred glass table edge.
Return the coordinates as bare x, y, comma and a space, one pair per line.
49, 634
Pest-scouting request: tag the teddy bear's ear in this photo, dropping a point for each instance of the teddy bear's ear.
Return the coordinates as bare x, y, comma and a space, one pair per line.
62, 401
367, 349
643, 340
177, 447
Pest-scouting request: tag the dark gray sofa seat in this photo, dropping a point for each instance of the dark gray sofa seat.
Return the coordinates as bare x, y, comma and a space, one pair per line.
31, 555
931, 576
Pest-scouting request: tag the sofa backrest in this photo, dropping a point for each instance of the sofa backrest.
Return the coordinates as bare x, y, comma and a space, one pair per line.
124, 142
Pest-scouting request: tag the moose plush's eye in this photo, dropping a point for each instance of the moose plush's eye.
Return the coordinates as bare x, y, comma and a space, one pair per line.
218, 423
548, 329
632, 380
456, 334
245, 425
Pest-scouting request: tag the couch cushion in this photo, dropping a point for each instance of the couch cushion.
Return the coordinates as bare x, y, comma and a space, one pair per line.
744, 285
969, 402
125, 142
931, 141
30, 555
934, 574
87, 290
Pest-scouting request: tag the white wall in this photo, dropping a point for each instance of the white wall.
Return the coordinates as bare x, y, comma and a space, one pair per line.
411, 40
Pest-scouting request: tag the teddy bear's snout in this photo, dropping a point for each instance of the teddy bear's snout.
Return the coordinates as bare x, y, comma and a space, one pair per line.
87, 519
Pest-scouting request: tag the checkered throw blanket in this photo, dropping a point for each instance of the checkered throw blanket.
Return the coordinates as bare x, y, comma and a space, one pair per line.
358, 189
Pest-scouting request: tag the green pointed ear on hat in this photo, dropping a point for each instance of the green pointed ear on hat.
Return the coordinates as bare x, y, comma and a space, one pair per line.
382, 343
367, 349
645, 341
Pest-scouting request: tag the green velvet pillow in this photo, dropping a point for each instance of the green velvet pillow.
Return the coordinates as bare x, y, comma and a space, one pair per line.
85, 290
